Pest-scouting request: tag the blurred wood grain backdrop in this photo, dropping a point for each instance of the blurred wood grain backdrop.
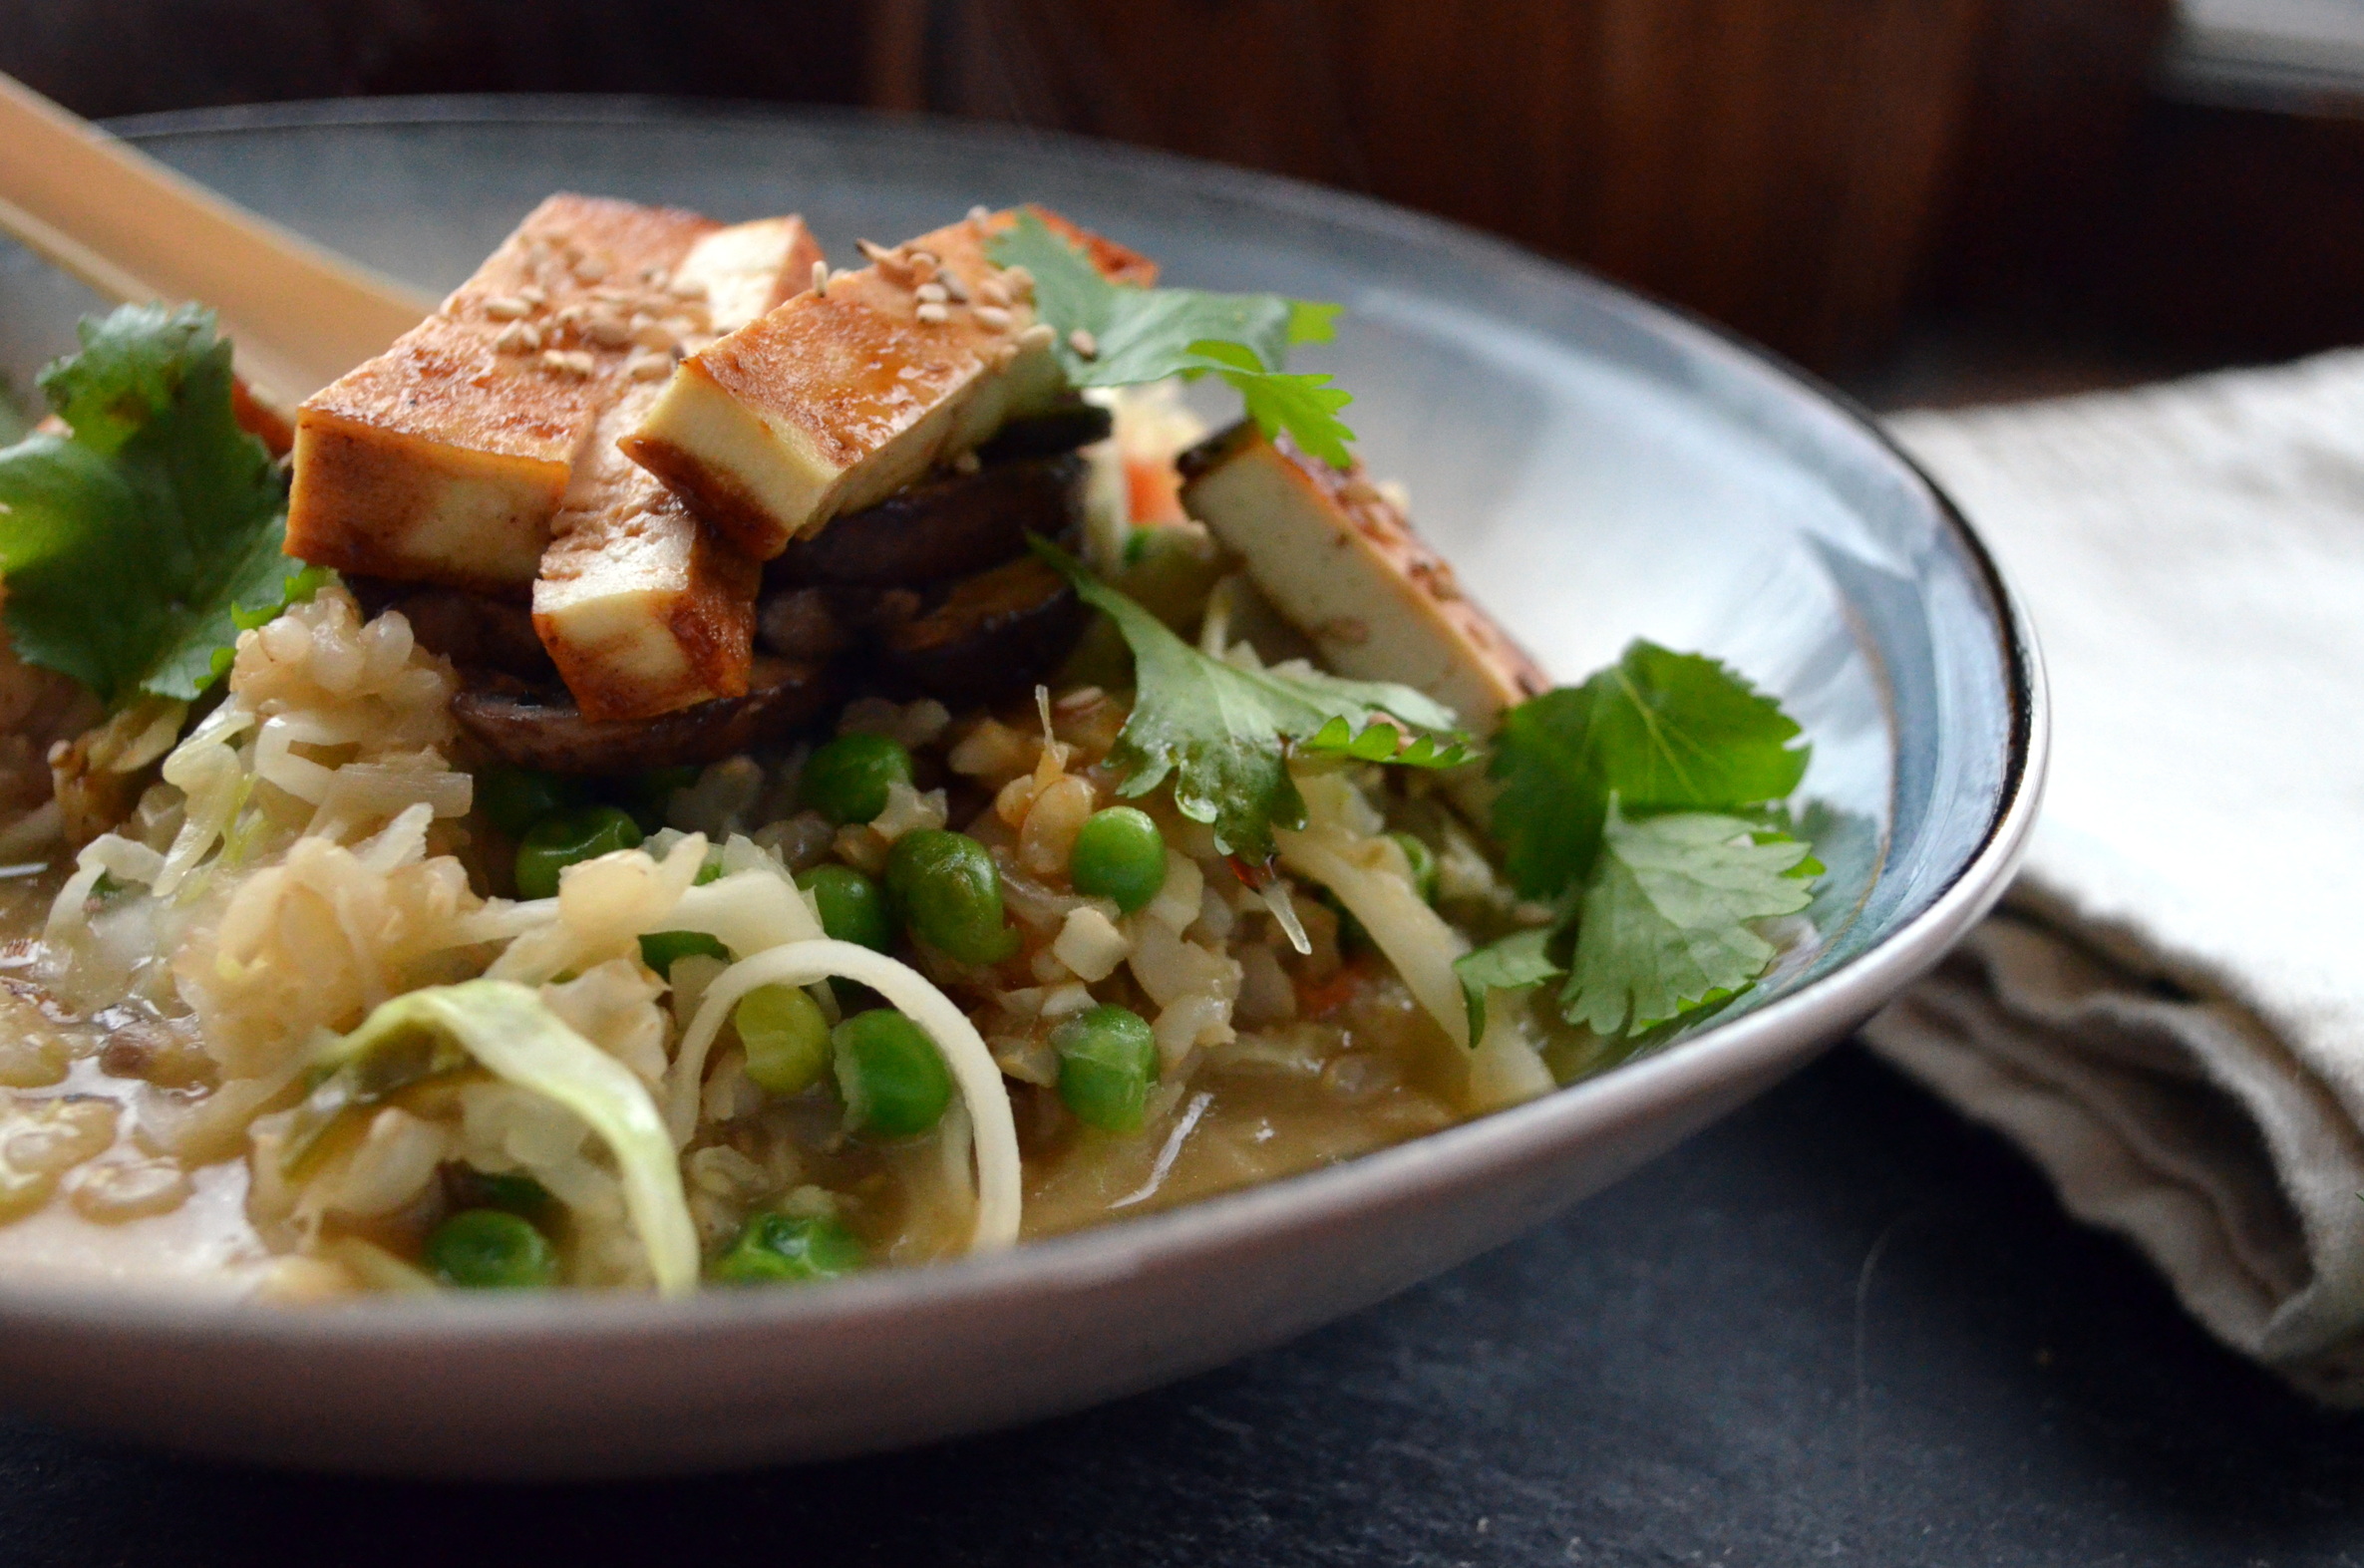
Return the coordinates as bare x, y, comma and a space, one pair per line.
1805, 170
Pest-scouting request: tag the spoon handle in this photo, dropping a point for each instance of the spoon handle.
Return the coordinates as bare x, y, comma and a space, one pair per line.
136, 232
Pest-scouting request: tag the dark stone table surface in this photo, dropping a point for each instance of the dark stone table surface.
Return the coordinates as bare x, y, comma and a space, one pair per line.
1842, 1326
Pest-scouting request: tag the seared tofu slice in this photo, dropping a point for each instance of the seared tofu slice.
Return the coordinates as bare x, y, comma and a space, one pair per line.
843, 396
1339, 559
444, 459
643, 608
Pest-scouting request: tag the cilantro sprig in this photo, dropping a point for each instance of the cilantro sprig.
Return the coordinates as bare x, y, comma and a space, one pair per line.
1225, 731
1638, 805
1140, 335
136, 547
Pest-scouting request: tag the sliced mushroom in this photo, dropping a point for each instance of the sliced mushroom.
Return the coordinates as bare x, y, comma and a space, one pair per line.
476, 632
1063, 427
997, 634
543, 728
950, 526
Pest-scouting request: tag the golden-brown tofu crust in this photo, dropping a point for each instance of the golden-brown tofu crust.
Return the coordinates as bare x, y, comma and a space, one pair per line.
846, 396
1376, 600
643, 608
444, 459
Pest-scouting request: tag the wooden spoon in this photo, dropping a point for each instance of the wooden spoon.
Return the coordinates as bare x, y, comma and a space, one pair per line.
136, 232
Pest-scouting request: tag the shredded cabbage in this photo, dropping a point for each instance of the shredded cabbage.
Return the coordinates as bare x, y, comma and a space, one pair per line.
1415, 938
513, 1035
973, 1068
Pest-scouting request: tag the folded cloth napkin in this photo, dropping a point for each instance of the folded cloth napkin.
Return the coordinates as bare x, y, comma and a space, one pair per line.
2168, 1011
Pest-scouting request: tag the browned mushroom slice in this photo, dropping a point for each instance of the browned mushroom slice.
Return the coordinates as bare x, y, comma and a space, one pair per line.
953, 526
476, 631
999, 633
550, 734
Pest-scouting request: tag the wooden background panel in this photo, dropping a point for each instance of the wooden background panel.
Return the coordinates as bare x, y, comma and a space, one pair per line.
1775, 164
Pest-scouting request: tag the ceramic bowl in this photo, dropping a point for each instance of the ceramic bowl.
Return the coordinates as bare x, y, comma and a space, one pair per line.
1596, 467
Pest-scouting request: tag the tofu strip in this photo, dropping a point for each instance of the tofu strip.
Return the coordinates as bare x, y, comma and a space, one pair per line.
645, 608
445, 459
1340, 560
843, 396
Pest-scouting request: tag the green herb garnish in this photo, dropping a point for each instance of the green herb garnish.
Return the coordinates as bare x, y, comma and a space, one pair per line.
136, 547
1638, 805
1664, 927
1140, 334
1225, 731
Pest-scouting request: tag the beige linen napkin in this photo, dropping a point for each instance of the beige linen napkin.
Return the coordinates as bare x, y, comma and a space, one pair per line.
2168, 1012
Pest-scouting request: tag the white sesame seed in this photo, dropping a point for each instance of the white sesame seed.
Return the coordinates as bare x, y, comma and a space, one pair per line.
1083, 343
990, 292
820, 278
606, 332
873, 250
686, 288
993, 316
1076, 701
558, 361
533, 296
591, 268
650, 332
1018, 281
648, 366
932, 294
980, 214
1038, 336
934, 314
950, 283
518, 337
967, 462
507, 307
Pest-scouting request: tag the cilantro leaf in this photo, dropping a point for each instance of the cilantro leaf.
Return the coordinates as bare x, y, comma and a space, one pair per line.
1517, 961
134, 548
1142, 335
1223, 731
1663, 928
1305, 406
1666, 732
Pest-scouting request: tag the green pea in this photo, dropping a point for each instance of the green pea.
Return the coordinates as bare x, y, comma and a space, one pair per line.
661, 950
567, 837
1119, 854
846, 780
786, 1039
777, 1249
1107, 1058
892, 1075
945, 887
487, 1249
514, 798
852, 906
1424, 865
